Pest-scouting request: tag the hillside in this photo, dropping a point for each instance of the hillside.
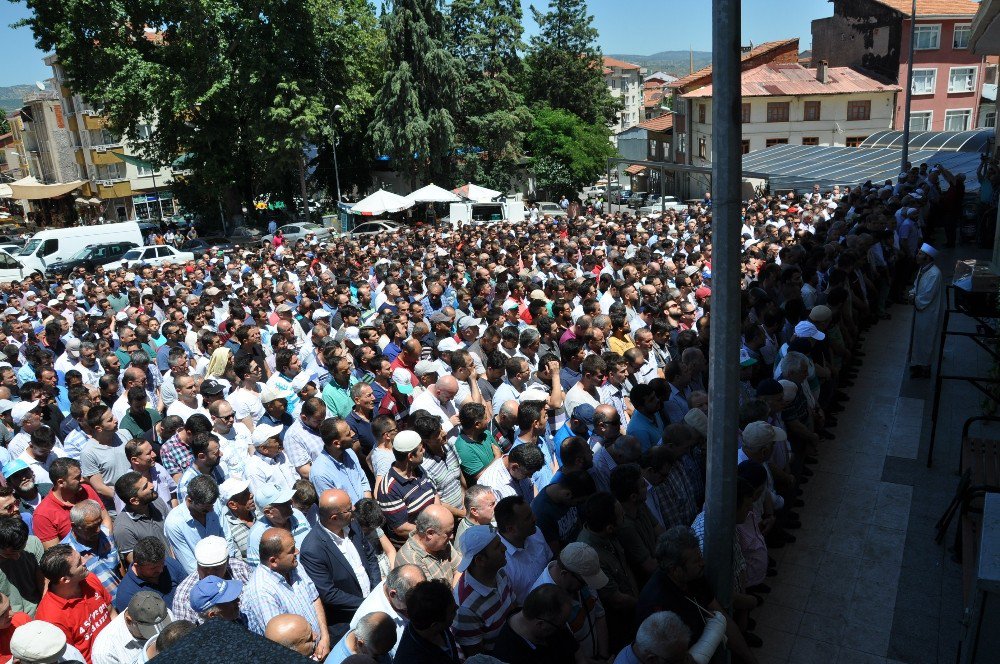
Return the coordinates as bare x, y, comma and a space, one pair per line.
671, 62
10, 97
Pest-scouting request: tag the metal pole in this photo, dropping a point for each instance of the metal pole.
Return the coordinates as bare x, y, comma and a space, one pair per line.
336, 171
724, 342
909, 90
302, 183
156, 191
222, 217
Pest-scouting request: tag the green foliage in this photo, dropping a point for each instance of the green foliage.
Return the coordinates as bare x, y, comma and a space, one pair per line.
564, 66
236, 87
567, 153
486, 37
4, 125
414, 121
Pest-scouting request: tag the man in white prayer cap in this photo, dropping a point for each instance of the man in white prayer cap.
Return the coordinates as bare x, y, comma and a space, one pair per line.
928, 297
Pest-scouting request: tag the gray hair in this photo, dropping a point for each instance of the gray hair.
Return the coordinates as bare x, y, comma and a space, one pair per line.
529, 335
672, 546
83, 510
474, 493
629, 447
88, 345
661, 632
508, 410
794, 362
601, 321
398, 581
426, 521
356, 389
139, 357
369, 625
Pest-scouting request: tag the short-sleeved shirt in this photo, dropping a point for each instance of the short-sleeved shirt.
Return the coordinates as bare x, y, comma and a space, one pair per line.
108, 461
183, 532
270, 594
302, 444
19, 578
176, 456
557, 522
80, 618
445, 472
363, 428
181, 603
51, 518
131, 527
559, 648
101, 559
338, 400
402, 499
165, 585
585, 610
139, 425
482, 610
434, 566
497, 477
299, 529
475, 455
345, 473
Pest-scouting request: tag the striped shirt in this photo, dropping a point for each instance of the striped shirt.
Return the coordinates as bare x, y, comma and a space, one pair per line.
270, 594
238, 570
482, 610
101, 560
302, 444
445, 472
434, 565
402, 499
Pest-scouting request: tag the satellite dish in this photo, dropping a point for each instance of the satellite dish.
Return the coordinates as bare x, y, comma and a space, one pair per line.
40, 85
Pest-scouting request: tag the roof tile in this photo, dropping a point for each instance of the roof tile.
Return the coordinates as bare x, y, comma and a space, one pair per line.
793, 79
933, 7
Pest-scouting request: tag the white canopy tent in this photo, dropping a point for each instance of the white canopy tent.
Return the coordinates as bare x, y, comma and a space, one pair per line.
31, 189
432, 194
5, 191
381, 202
477, 194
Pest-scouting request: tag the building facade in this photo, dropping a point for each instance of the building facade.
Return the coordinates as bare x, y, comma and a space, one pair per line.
624, 80
875, 35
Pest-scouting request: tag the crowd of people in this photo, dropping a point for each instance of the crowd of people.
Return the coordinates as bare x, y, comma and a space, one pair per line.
432, 446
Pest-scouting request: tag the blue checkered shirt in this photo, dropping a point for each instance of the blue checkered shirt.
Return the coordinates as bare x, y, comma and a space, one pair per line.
102, 560
270, 594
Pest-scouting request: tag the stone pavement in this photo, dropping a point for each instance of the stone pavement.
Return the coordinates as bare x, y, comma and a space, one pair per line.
865, 581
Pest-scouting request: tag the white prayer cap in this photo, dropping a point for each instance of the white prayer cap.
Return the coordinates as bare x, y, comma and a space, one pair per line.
929, 250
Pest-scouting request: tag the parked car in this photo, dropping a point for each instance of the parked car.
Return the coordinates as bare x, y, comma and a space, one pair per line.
244, 235
152, 255
200, 245
550, 208
376, 227
91, 256
298, 231
654, 204
637, 199
11, 249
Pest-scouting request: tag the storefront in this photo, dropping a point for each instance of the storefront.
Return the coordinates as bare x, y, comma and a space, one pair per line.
153, 205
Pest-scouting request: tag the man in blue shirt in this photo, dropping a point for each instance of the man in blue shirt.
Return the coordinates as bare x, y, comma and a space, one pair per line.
646, 423
337, 466
150, 570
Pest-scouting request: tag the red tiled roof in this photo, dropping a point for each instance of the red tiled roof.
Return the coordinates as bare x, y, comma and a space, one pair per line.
664, 122
621, 64
752, 53
652, 97
933, 7
787, 80
635, 169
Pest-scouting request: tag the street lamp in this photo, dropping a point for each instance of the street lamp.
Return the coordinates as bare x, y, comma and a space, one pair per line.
336, 172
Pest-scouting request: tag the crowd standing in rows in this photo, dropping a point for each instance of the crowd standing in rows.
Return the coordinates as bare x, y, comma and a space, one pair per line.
435, 445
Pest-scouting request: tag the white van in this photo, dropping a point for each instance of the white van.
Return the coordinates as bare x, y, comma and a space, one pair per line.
60, 244
478, 213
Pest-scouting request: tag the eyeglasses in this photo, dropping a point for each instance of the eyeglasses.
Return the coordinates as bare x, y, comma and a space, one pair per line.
230, 416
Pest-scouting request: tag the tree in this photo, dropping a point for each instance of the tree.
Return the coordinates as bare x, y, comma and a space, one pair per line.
567, 153
564, 65
238, 89
414, 120
4, 125
486, 37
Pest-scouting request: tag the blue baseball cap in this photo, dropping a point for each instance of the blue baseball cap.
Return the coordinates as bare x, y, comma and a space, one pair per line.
212, 591
12, 467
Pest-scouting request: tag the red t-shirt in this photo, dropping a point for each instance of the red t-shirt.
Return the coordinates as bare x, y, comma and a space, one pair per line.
81, 619
16, 620
51, 518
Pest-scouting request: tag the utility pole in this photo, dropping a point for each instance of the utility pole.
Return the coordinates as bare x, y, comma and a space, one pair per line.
302, 183
724, 340
909, 89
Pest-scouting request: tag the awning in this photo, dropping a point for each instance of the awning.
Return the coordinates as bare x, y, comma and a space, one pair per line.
31, 189
135, 161
381, 202
634, 169
5, 191
477, 194
432, 194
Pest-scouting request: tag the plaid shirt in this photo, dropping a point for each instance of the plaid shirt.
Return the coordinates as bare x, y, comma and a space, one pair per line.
175, 456
270, 594
102, 560
675, 501
238, 570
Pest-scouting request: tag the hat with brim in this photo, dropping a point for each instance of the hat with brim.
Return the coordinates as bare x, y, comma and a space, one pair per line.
271, 494
401, 377
472, 542
38, 642
582, 560
212, 591
264, 432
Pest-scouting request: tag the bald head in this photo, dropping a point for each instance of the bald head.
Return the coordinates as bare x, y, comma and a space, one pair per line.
291, 631
605, 412
446, 388
377, 632
334, 509
434, 516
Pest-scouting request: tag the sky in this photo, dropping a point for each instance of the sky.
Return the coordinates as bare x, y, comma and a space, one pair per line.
637, 27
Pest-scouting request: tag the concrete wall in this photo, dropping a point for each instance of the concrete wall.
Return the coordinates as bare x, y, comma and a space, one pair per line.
861, 33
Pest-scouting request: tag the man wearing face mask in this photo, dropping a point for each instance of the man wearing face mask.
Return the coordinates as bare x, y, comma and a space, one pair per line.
123, 639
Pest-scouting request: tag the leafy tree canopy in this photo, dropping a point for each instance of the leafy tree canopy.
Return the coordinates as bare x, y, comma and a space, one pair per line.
567, 153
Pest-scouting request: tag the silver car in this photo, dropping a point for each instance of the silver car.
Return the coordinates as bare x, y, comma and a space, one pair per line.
298, 231
376, 228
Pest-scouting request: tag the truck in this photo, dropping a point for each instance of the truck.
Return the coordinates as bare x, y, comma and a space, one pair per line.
55, 245
479, 213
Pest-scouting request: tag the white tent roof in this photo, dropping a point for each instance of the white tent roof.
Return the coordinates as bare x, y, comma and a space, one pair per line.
432, 194
476, 193
381, 202
31, 189
5, 191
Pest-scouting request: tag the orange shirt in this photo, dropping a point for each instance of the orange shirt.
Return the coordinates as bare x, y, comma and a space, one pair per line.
82, 618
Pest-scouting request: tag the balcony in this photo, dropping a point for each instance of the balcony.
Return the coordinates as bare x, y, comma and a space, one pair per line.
102, 155
94, 122
107, 189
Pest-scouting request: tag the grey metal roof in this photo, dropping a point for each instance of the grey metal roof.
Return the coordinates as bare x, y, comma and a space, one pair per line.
799, 166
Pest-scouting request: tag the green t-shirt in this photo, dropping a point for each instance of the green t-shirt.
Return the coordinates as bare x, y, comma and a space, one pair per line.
139, 427
19, 578
474, 456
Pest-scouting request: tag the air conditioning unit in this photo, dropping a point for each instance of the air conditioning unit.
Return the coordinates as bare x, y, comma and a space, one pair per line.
106, 183
92, 113
100, 150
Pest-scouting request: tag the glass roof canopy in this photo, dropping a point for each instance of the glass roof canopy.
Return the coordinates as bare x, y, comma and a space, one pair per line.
877, 159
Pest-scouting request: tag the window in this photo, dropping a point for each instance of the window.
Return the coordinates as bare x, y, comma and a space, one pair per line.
614, 83
960, 38
962, 79
701, 113
777, 111
859, 110
924, 81
958, 120
921, 120
50, 247
702, 147
810, 140
744, 145
990, 119
854, 141
927, 37
775, 141
682, 144
144, 171
651, 152
745, 113
144, 132
811, 111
